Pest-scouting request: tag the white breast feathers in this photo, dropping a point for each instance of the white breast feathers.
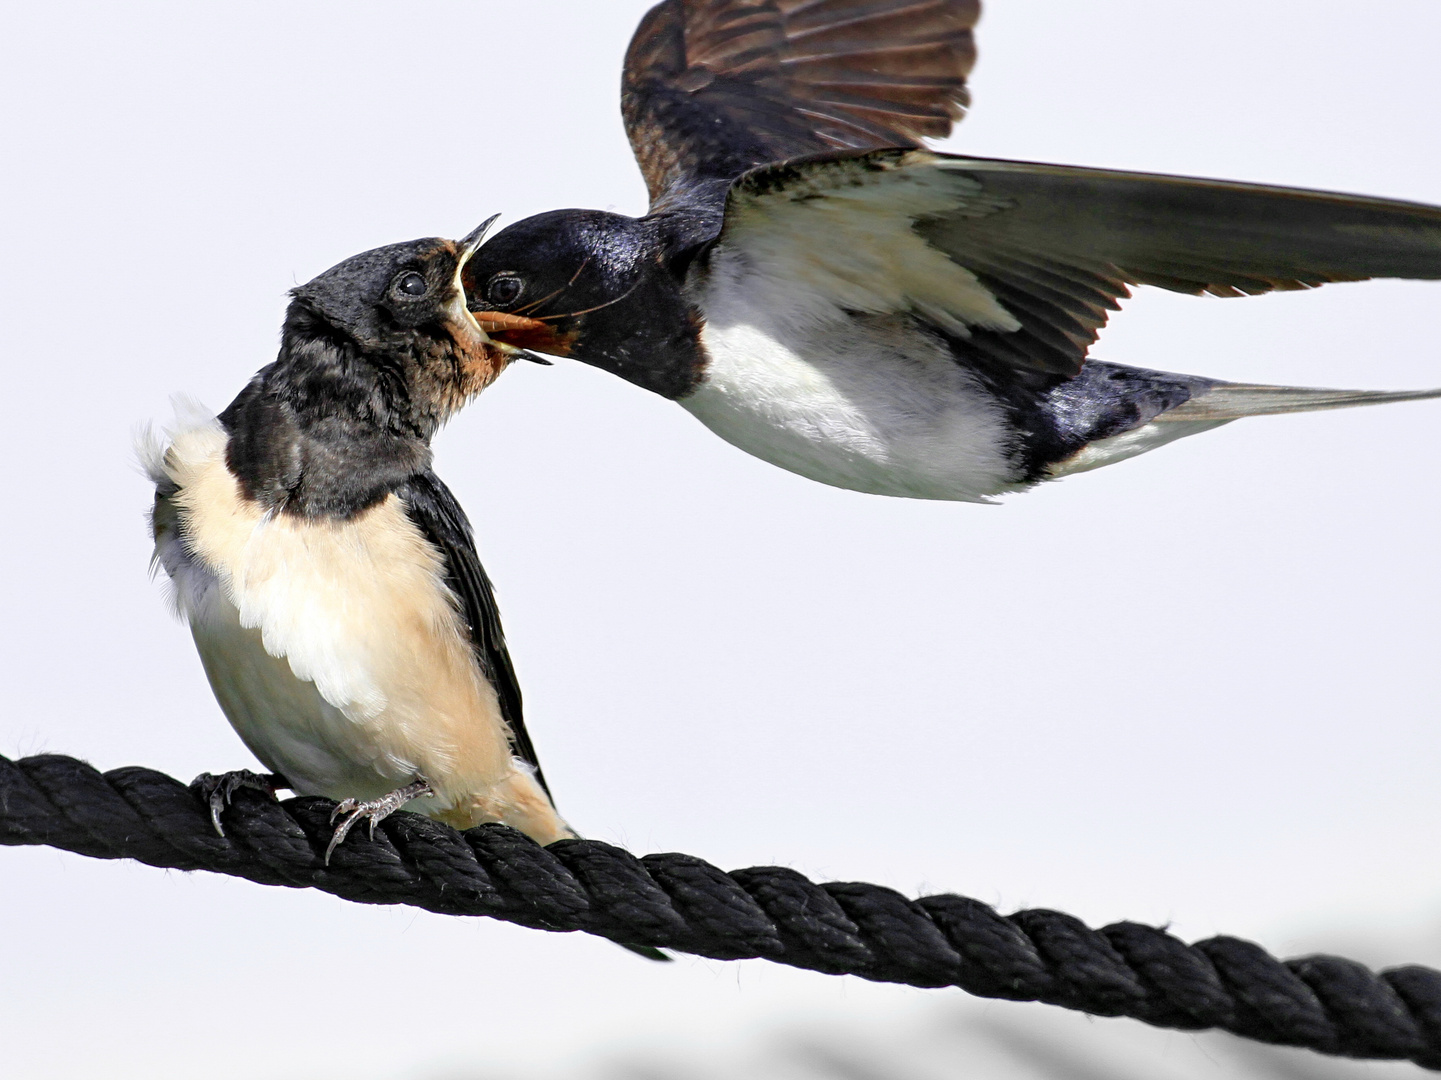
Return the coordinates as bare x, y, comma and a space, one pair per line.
334, 647
868, 402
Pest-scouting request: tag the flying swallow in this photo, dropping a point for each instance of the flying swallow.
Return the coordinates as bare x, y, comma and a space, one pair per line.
330, 579
823, 292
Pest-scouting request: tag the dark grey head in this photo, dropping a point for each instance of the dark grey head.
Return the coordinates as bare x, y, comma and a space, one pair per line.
376, 353
381, 297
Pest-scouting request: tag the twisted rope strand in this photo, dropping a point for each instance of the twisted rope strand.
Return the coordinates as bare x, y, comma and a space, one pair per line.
1328, 1004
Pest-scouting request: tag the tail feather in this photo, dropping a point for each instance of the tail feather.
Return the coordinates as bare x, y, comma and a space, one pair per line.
1231, 401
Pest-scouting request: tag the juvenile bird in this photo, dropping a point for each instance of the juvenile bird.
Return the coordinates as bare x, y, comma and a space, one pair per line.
328, 576
821, 291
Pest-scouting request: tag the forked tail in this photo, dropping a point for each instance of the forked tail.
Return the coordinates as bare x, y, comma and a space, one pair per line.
1231, 401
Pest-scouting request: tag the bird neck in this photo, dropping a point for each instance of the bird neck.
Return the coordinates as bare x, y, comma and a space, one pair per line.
329, 429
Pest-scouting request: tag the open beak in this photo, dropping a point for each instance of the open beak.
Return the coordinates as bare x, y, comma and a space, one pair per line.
468, 247
471, 244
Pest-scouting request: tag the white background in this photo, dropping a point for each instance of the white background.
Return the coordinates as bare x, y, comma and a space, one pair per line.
1199, 687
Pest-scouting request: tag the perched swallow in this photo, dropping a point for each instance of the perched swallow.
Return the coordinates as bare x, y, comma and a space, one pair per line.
821, 291
328, 576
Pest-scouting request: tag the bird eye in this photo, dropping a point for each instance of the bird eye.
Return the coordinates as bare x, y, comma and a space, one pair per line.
504, 289
410, 284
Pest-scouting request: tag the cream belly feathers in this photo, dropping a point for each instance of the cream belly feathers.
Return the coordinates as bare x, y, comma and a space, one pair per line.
334, 647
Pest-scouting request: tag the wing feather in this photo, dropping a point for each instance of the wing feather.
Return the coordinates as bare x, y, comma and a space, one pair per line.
432, 507
715, 87
1039, 255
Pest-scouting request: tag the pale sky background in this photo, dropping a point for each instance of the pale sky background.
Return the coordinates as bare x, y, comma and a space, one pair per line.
1197, 688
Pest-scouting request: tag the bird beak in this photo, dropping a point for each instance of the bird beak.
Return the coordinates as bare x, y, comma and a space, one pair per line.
471, 244
498, 322
493, 322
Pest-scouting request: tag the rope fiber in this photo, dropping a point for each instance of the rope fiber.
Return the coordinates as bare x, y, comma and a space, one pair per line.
679, 902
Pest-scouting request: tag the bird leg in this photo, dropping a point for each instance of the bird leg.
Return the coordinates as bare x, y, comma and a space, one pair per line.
219, 790
376, 810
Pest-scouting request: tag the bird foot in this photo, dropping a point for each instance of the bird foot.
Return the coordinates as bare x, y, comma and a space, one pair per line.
375, 810
219, 790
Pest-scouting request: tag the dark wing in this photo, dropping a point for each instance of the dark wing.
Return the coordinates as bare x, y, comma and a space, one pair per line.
432, 507
1025, 261
715, 87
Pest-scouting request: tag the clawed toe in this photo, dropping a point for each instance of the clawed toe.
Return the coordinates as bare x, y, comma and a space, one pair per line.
217, 791
375, 810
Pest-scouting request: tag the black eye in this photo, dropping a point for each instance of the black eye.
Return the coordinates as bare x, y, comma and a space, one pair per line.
504, 289
408, 283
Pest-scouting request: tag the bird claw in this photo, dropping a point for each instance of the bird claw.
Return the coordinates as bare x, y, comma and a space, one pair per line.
217, 791
374, 810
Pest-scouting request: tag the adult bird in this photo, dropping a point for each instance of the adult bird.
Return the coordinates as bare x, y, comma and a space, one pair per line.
820, 290
330, 579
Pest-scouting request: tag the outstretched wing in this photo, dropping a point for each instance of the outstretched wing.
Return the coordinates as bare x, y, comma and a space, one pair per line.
432, 507
1025, 261
715, 87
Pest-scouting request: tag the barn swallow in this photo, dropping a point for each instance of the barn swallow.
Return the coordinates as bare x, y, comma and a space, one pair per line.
823, 292
330, 579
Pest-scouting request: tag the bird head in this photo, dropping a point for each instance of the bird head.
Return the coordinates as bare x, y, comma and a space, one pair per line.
375, 354
595, 286
396, 315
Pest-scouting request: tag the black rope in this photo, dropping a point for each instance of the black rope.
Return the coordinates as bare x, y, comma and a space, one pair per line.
680, 902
